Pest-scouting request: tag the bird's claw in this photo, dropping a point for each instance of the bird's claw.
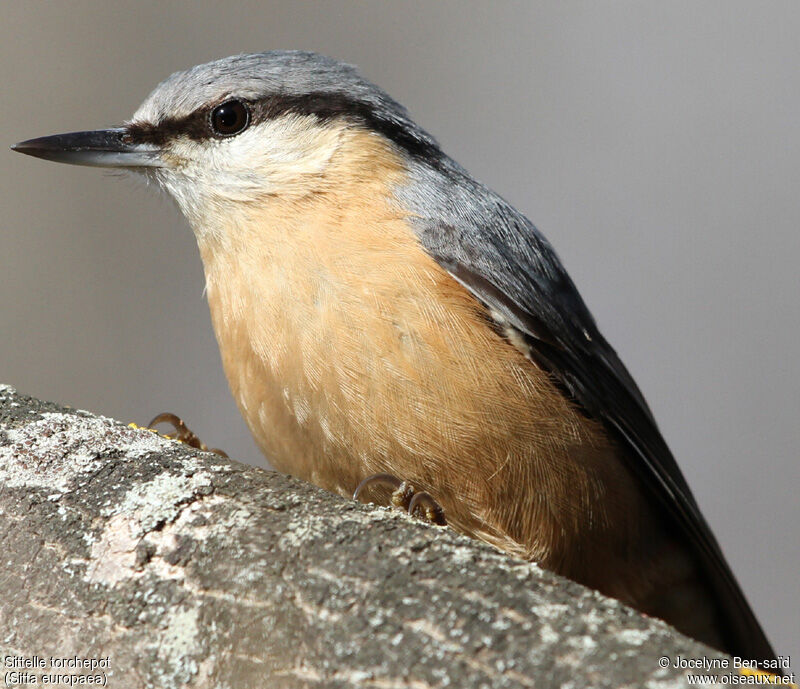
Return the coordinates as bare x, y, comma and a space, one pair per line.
405, 497
182, 433
431, 510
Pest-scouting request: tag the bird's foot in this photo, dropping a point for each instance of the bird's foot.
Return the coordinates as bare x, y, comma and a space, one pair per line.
182, 433
405, 497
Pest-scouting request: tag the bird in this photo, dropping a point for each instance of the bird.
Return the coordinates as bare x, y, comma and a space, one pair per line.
380, 312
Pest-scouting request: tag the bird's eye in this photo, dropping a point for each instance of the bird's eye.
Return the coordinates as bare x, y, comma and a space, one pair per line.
229, 118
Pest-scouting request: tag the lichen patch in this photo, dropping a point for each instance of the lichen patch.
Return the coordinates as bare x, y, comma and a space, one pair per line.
51, 451
161, 499
179, 643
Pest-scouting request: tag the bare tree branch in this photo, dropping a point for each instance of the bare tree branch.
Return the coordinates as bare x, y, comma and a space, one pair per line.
183, 569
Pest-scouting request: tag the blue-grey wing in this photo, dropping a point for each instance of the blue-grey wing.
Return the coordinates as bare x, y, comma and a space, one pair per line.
497, 253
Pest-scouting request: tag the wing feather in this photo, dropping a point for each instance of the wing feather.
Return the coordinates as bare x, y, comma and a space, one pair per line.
497, 254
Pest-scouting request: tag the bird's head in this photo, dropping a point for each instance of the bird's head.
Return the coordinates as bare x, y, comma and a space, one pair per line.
242, 129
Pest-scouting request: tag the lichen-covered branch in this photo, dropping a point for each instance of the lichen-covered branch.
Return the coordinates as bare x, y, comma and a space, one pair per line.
183, 569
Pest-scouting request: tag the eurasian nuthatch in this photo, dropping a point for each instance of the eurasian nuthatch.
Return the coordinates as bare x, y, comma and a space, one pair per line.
379, 310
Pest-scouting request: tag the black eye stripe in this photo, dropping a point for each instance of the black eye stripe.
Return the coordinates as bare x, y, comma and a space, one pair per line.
193, 126
326, 106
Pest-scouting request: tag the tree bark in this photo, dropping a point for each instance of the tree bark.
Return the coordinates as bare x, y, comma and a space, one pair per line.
177, 568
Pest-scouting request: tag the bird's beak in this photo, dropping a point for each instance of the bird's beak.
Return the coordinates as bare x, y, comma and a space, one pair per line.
100, 148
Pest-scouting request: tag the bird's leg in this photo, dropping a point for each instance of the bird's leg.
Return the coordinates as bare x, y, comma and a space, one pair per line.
182, 433
405, 497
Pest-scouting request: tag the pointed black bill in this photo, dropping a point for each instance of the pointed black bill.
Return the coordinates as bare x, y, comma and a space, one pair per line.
99, 148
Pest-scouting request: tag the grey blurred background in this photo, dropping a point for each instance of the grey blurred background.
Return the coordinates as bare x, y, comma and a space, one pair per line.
656, 144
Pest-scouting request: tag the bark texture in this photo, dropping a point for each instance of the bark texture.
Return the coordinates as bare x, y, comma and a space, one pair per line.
184, 569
